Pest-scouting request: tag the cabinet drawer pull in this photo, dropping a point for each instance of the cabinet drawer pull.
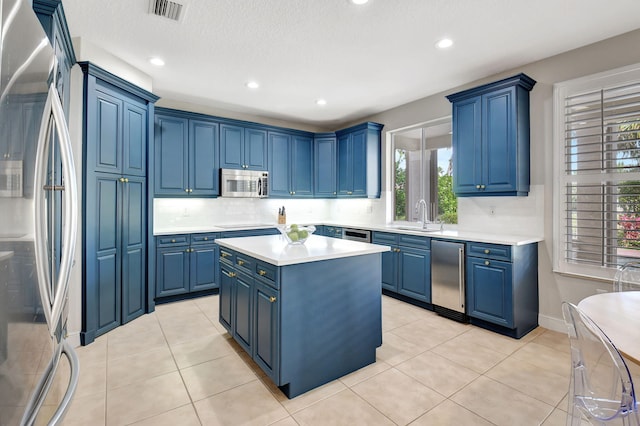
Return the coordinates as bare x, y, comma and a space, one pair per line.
487, 251
262, 272
186, 190
272, 299
206, 238
486, 262
482, 186
173, 240
240, 262
223, 254
477, 186
232, 274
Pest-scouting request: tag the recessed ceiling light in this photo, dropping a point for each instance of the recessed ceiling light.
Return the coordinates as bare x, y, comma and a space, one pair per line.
321, 102
252, 84
359, 2
444, 43
158, 62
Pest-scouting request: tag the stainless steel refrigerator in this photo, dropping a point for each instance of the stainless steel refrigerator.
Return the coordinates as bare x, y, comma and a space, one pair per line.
38, 223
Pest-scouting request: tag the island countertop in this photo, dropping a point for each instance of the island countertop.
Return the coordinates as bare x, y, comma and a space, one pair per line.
275, 250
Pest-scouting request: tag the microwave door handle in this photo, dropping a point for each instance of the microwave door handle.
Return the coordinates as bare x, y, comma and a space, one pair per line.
259, 186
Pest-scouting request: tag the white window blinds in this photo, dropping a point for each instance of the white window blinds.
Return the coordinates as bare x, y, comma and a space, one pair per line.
598, 195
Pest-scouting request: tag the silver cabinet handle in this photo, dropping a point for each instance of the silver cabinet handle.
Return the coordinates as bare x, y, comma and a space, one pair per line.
53, 298
461, 286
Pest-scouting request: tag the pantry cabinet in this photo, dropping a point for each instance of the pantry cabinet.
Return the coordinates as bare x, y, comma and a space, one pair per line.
491, 138
358, 161
117, 216
186, 155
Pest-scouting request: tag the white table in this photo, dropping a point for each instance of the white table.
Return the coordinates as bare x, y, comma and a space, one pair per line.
618, 315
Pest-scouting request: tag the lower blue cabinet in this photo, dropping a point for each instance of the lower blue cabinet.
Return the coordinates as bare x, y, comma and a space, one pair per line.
266, 327
186, 263
489, 289
227, 275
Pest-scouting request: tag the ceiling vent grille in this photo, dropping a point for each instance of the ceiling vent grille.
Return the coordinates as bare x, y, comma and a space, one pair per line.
166, 9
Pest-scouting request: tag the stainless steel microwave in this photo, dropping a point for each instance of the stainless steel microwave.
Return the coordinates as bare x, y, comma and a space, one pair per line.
11, 178
244, 183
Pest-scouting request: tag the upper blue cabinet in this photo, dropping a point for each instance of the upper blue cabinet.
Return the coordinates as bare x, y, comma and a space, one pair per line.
243, 148
324, 168
358, 163
186, 155
491, 138
290, 165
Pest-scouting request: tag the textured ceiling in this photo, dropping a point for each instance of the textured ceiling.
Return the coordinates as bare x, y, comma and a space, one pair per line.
361, 59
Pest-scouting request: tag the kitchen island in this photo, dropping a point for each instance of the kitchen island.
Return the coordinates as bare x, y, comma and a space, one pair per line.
307, 314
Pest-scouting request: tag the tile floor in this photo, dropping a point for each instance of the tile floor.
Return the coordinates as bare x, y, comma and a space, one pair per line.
178, 366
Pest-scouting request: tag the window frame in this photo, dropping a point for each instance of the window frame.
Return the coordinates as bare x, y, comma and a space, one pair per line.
600, 81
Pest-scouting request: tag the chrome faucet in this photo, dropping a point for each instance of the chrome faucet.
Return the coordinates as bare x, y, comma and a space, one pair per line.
422, 203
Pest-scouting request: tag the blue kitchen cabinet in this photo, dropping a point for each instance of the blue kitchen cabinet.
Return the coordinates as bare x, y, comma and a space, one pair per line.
325, 162
116, 198
227, 277
332, 231
186, 155
406, 269
266, 326
243, 310
290, 165
491, 138
358, 165
502, 287
243, 148
186, 263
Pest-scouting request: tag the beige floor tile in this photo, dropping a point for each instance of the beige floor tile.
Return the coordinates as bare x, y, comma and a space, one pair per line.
491, 340
342, 409
285, 422
556, 418
249, 404
87, 410
140, 366
182, 416
188, 327
448, 413
438, 373
134, 344
365, 373
145, 399
440, 322
543, 385
395, 349
95, 352
468, 354
501, 404
398, 396
544, 357
143, 324
554, 340
395, 315
201, 350
218, 375
423, 334
307, 399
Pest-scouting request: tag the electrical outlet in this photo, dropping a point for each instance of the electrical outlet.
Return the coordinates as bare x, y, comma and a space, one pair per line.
492, 210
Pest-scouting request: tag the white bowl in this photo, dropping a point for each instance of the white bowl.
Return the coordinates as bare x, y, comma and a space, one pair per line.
299, 236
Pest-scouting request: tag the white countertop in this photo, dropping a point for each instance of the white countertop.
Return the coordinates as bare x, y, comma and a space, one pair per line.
480, 237
275, 250
4, 255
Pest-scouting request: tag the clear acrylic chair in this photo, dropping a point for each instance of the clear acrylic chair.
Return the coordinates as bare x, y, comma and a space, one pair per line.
627, 277
601, 388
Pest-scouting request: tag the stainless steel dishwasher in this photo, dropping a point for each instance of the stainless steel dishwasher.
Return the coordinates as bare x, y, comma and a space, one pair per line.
447, 279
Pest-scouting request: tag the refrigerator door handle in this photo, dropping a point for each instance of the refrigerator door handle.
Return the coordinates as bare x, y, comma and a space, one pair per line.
43, 386
53, 298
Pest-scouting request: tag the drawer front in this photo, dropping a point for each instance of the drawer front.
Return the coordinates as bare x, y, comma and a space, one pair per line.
489, 251
415, 241
227, 256
244, 263
384, 238
205, 238
172, 240
267, 274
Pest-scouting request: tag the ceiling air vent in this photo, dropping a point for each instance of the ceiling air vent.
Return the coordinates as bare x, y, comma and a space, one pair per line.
166, 9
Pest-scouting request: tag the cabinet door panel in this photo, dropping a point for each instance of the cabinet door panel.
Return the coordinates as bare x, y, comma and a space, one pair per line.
302, 166
415, 273
134, 231
498, 135
226, 296
489, 291
203, 158
279, 165
255, 149
172, 271
231, 147
135, 140
106, 135
325, 167
359, 163
467, 149
243, 311
345, 169
203, 268
171, 156
266, 329
389, 270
